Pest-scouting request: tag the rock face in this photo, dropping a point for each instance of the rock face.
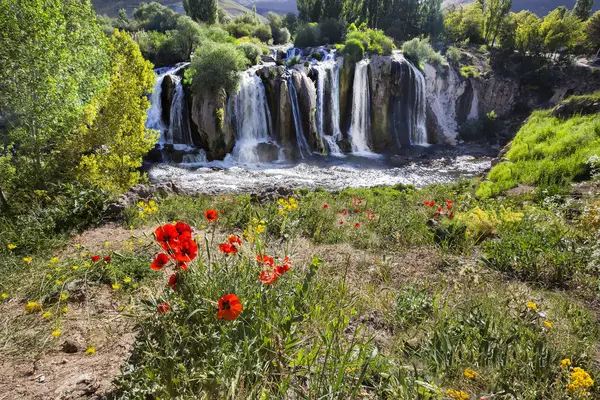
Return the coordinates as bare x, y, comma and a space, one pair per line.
307, 101
346, 84
166, 98
380, 76
285, 120
209, 124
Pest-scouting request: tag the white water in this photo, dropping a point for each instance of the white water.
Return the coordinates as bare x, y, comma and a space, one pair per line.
474, 112
360, 127
418, 134
303, 147
154, 120
328, 73
252, 118
179, 131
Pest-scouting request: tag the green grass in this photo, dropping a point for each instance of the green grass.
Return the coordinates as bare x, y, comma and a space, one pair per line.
547, 151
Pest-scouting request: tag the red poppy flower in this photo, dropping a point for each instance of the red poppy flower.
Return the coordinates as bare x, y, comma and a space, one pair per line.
344, 212
425, 202
436, 214
357, 210
222, 198
107, 259
186, 251
341, 222
285, 267
182, 266
268, 276
232, 239
325, 207
160, 262
449, 207
182, 227
95, 258
211, 215
166, 235
229, 307
173, 281
371, 215
228, 248
440, 209
265, 259
357, 225
163, 308
449, 202
451, 216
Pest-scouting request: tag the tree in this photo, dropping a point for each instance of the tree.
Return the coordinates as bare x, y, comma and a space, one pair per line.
50, 72
494, 14
202, 10
465, 23
592, 31
560, 31
113, 133
189, 35
215, 67
155, 17
432, 20
332, 9
528, 39
583, 9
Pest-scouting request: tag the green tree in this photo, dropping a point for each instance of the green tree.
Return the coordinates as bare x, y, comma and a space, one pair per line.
583, 9
592, 32
215, 67
155, 17
50, 71
561, 31
528, 38
189, 35
202, 10
113, 133
432, 20
332, 9
465, 23
494, 14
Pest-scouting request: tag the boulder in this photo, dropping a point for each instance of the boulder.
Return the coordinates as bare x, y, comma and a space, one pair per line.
380, 74
210, 126
285, 119
166, 98
577, 105
346, 84
267, 152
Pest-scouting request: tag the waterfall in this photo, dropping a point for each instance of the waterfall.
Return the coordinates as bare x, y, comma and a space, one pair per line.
303, 147
443, 92
179, 129
154, 119
409, 105
252, 118
360, 126
474, 111
328, 95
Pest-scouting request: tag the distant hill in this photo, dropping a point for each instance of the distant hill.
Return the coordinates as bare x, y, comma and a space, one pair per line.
233, 8
540, 7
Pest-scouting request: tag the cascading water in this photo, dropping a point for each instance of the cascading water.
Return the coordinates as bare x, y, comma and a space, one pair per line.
328, 90
154, 119
252, 118
409, 107
303, 147
360, 127
179, 129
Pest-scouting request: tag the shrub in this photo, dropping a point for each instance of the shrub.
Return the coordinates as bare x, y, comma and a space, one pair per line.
420, 51
307, 36
251, 51
373, 41
216, 66
331, 31
263, 32
453, 55
353, 50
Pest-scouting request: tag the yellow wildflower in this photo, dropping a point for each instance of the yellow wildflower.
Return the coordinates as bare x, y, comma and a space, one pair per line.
254, 220
64, 309
281, 212
581, 381
77, 246
27, 259
141, 214
48, 276
4, 296
565, 363
127, 280
116, 286
74, 267
260, 228
470, 374
532, 306
59, 282
33, 306
106, 244
548, 324
135, 285
64, 296
47, 315
54, 260
457, 394
120, 308
11, 246
56, 333
90, 351
131, 227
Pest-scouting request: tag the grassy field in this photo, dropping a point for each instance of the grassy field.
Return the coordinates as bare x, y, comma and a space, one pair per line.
358, 294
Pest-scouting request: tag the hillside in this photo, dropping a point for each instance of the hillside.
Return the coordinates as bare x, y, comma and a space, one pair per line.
540, 7
233, 8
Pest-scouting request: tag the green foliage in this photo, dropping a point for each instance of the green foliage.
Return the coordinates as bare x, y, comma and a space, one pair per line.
51, 72
465, 23
453, 55
249, 25
155, 17
113, 135
560, 29
251, 51
592, 31
547, 151
374, 42
281, 34
495, 13
420, 51
307, 36
202, 10
215, 67
469, 71
263, 33
331, 31
353, 50
528, 38
583, 9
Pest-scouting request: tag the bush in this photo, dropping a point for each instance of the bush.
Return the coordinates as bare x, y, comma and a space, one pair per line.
331, 31
373, 41
353, 50
283, 36
469, 71
251, 51
453, 55
216, 66
263, 32
420, 51
307, 36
